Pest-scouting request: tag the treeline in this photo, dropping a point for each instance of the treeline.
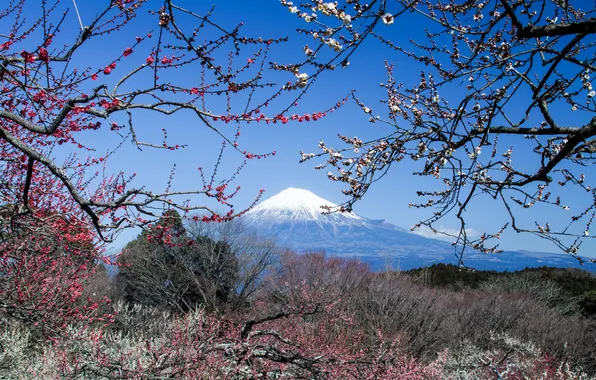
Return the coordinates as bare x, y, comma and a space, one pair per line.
194, 300
573, 284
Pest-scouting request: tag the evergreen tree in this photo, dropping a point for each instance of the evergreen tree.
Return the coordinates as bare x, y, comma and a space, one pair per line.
167, 267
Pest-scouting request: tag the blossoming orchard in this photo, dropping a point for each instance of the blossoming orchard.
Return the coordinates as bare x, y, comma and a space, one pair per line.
503, 111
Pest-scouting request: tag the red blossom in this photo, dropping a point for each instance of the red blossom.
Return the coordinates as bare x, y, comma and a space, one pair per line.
28, 57
5, 46
43, 55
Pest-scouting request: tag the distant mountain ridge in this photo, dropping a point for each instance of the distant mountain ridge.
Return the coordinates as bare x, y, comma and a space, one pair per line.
294, 217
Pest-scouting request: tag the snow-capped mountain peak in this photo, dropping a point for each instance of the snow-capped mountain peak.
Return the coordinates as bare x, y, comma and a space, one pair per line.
295, 219
297, 205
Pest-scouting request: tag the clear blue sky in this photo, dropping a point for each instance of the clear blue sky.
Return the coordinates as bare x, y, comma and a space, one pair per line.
388, 200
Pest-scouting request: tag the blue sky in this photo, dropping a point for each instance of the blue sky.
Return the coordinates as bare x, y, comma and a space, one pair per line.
388, 200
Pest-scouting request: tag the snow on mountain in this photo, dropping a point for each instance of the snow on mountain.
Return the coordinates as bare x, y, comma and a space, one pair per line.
295, 219
298, 205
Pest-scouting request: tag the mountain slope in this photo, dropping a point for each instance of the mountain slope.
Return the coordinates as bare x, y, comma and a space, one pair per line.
295, 218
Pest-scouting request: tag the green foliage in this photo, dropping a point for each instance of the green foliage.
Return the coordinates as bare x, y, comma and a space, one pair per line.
573, 282
587, 303
451, 276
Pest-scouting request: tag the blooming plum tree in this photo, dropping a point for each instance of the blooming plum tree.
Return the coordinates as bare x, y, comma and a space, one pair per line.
56, 102
503, 109
61, 103
46, 261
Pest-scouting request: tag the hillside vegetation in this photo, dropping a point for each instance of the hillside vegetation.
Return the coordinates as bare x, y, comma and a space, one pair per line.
569, 284
191, 306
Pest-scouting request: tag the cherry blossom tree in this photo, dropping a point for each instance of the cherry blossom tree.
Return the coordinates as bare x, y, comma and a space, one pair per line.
503, 109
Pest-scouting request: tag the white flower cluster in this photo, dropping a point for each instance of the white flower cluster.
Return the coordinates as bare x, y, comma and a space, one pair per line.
330, 9
302, 80
295, 10
327, 8
587, 84
333, 43
289, 5
306, 156
394, 104
475, 153
345, 18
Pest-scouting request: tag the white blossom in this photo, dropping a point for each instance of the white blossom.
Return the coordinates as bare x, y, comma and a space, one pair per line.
388, 19
302, 80
333, 43
345, 18
327, 8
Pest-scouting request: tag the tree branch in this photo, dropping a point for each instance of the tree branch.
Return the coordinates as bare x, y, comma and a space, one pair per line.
553, 30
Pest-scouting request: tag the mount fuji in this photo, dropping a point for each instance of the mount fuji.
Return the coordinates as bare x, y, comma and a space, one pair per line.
296, 220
